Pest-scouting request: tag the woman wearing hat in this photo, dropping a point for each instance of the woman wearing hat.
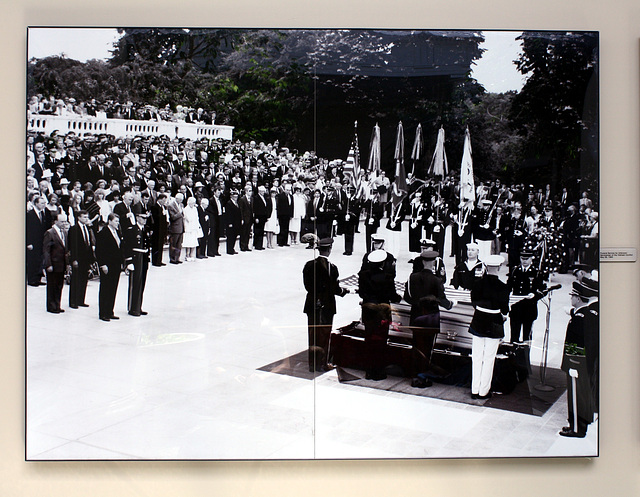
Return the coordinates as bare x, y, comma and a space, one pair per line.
490, 299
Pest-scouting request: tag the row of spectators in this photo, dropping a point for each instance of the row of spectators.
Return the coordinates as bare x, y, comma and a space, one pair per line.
94, 172
41, 105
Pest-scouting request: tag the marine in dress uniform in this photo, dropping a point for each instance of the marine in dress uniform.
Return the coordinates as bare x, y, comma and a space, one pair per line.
580, 359
320, 278
490, 299
137, 249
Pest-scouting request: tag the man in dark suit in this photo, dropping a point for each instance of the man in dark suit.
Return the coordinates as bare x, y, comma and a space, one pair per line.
80, 244
159, 226
232, 221
284, 206
246, 212
109, 257
320, 279
262, 208
55, 262
203, 217
215, 223
124, 212
38, 222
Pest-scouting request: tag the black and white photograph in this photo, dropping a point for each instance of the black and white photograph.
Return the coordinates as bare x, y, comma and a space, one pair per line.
295, 244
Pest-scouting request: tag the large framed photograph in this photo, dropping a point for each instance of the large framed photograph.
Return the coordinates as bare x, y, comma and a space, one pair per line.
311, 244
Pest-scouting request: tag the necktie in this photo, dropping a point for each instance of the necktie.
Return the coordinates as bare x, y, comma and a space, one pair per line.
41, 216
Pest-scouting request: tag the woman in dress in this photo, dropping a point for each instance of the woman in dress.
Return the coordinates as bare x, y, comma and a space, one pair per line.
299, 211
192, 229
105, 207
271, 227
90, 205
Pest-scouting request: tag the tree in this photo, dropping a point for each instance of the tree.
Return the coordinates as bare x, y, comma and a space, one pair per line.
557, 110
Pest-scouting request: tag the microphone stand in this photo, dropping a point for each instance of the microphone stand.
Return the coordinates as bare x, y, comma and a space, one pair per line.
543, 387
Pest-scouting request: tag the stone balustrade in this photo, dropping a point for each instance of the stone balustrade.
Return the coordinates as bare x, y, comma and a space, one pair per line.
82, 125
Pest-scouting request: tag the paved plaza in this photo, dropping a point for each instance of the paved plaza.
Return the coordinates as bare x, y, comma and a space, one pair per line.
184, 382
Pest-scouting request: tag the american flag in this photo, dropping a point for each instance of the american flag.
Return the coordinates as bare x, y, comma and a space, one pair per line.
352, 166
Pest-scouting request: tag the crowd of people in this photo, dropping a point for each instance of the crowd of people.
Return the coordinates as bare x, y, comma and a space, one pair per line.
52, 106
100, 204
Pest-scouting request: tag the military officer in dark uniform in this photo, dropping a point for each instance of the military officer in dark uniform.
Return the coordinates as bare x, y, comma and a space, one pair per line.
524, 281
320, 279
348, 219
377, 289
374, 210
137, 250
580, 359
515, 234
468, 272
482, 232
389, 264
425, 292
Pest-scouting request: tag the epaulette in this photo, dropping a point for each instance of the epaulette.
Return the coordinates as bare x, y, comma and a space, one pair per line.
579, 315
595, 313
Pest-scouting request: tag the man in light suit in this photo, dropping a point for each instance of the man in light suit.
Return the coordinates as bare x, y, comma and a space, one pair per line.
55, 262
176, 228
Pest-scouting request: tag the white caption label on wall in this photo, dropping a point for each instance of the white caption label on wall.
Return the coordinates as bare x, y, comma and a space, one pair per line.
618, 254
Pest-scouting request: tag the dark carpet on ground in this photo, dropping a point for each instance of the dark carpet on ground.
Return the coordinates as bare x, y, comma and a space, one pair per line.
526, 397
296, 365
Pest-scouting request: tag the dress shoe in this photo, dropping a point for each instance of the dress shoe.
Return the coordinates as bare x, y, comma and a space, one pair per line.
73, 306
572, 434
483, 397
105, 319
158, 265
201, 257
232, 253
136, 314
143, 313
83, 305
54, 311
179, 262
114, 317
174, 262
474, 396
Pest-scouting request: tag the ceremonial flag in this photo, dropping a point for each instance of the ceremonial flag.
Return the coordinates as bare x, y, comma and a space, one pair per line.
352, 165
374, 150
439, 165
467, 188
400, 189
418, 148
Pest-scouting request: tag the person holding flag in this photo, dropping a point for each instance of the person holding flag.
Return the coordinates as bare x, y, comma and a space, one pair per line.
398, 193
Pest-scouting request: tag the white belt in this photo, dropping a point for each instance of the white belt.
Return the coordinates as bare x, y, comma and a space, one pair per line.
488, 311
144, 251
